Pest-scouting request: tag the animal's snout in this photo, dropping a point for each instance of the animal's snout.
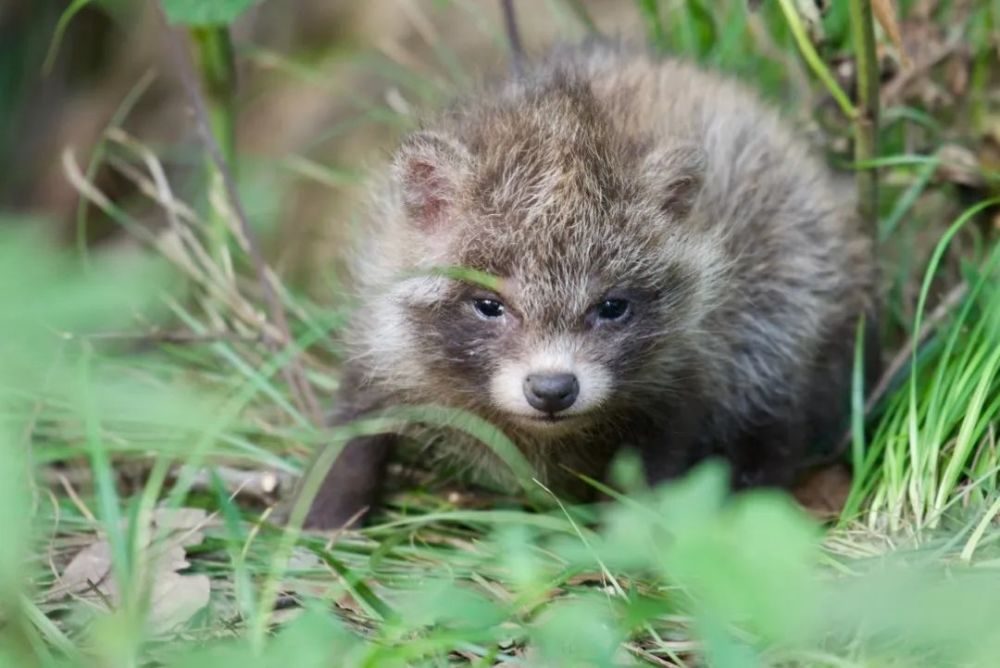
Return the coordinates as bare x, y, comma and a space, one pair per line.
551, 392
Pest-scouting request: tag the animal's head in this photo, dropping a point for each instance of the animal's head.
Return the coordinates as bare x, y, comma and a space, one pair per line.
573, 272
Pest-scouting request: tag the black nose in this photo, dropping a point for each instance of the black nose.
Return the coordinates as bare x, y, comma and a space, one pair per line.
551, 392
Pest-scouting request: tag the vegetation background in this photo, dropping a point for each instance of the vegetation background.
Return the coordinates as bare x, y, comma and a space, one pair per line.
178, 183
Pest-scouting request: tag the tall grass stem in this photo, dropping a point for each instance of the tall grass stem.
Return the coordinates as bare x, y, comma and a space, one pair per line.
814, 60
866, 118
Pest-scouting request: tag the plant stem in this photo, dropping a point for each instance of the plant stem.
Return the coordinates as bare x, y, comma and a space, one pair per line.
654, 25
814, 60
213, 52
866, 118
293, 372
583, 16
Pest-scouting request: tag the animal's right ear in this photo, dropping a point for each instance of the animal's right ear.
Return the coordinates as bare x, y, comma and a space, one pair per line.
675, 175
430, 169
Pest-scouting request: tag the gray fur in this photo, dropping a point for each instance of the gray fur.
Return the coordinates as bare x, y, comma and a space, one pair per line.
604, 169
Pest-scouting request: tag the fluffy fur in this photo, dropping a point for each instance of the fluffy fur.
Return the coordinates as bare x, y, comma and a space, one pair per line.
604, 173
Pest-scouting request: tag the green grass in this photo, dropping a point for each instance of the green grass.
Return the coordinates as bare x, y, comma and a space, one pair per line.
133, 387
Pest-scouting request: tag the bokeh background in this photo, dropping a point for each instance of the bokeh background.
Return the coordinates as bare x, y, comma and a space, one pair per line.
155, 415
324, 89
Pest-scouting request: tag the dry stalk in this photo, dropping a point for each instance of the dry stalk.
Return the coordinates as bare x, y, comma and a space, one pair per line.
292, 372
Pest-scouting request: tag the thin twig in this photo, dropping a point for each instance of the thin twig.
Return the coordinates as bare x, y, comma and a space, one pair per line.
293, 373
263, 486
513, 37
172, 337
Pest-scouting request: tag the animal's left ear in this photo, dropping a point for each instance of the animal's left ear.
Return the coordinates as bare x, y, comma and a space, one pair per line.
675, 175
430, 169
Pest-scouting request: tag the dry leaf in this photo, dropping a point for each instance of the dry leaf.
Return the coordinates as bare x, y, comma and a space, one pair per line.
989, 148
885, 14
956, 74
174, 598
180, 524
959, 165
89, 570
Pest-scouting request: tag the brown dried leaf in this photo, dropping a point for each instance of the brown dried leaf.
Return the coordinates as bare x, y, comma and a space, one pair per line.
180, 525
956, 74
174, 598
885, 14
959, 165
89, 570
989, 147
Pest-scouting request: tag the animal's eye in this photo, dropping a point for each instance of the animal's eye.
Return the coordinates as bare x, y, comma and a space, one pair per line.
612, 309
488, 308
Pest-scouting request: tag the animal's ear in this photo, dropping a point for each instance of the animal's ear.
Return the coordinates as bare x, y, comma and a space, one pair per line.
429, 169
675, 175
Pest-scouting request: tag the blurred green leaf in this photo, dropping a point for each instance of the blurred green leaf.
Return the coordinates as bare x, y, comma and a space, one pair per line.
44, 300
754, 563
578, 632
315, 639
749, 560
15, 500
723, 650
514, 545
700, 31
689, 504
205, 12
450, 605
44, 295
919, 615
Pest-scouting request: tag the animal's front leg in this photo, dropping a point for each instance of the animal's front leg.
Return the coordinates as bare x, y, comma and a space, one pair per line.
768, 454
352, 485
671, 448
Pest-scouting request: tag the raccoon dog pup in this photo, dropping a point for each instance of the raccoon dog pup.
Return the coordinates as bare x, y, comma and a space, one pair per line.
676, 274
